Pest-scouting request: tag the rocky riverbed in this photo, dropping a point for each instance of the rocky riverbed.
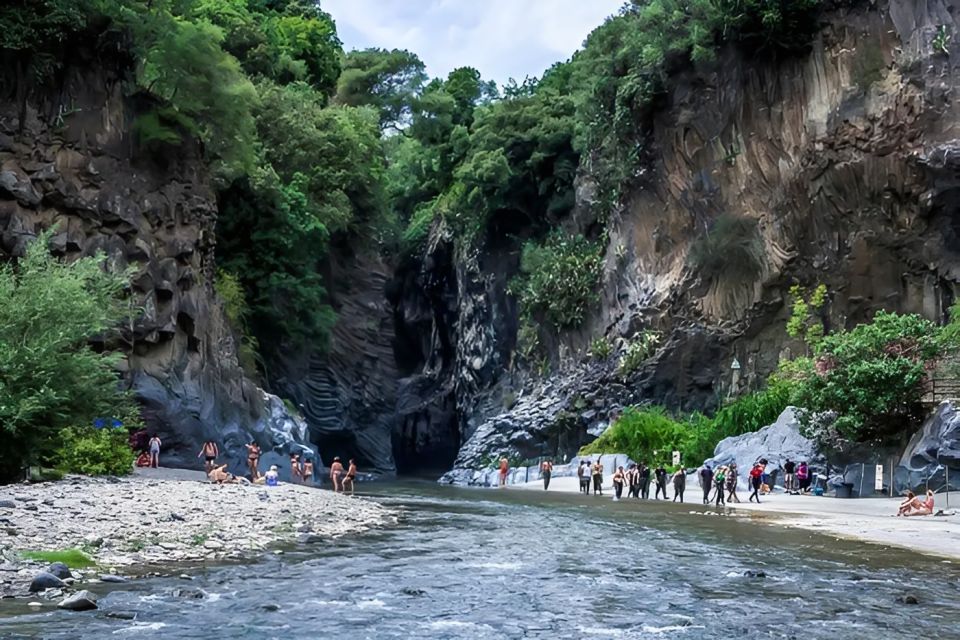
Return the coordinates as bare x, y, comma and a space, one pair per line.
162, 518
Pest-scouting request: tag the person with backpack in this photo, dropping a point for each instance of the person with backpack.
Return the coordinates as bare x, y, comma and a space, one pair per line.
756, 479
706, 481
720, 482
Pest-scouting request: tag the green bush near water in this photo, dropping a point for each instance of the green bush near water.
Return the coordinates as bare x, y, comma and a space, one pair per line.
95, 452
73, 558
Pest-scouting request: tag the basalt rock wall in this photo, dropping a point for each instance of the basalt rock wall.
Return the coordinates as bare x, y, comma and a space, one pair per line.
844, 159
69, 161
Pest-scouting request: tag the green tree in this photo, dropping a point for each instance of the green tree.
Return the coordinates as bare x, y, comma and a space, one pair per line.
389, 81
50, 377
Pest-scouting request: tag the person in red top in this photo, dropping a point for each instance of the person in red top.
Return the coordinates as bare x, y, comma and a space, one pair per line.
504, 469
756, 479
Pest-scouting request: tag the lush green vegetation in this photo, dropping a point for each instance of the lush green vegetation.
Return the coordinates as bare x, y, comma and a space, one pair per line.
95, 452
731, 249
310, 146
73, 558
652, 434
51, 380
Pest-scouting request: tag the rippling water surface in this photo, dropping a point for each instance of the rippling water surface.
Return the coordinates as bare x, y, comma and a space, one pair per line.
517, 564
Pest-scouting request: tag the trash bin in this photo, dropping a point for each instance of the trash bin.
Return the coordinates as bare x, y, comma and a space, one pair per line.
844, 490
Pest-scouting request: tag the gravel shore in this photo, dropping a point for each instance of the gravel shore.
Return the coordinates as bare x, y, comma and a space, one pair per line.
163, 517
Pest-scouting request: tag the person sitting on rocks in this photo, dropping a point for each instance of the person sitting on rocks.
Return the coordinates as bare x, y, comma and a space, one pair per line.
219, 475
918, 508
908, 503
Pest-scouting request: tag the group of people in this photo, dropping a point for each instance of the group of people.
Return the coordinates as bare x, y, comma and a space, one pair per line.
914, 506
636, 479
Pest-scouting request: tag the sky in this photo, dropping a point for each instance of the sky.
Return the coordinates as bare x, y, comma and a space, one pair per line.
502, 38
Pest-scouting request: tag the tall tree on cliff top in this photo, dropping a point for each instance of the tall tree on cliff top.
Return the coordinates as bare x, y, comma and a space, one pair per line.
387, 80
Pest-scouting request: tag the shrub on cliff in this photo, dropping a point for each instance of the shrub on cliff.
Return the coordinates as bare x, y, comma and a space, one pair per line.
559, 278
731, 249
50, 377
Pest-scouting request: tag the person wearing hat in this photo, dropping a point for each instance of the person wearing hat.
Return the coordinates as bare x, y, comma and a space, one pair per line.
271, 477
336, 470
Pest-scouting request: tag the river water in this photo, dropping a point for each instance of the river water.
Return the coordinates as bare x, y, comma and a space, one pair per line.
522, 564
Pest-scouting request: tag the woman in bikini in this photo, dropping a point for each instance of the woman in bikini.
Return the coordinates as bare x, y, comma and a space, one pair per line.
350, 477
336, 470
504, 469
253, 460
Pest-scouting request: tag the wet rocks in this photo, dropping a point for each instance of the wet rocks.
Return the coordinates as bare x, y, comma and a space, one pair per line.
79, 601
43, 581
59, 570
109, 577
908, 599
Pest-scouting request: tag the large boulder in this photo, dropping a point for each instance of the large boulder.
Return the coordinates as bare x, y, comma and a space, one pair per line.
935, 446
776, 442
43, 581
59, 570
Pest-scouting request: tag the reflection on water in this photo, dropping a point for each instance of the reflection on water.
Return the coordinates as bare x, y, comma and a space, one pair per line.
516, 564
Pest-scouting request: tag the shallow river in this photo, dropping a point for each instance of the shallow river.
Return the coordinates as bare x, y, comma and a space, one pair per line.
515, 564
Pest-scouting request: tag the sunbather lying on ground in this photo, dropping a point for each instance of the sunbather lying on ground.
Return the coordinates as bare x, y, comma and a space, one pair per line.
220, 475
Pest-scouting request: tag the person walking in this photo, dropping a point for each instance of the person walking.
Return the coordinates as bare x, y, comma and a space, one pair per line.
679, 484
706, 481
618, 479
336, 470
351, 477
597, 473
732, 483
633, 481
660, 475
644, 480
756, 479
154, 445
720, 482
583, 472
209, 451
546, 470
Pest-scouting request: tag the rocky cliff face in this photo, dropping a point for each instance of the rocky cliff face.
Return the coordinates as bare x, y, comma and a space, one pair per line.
68, 161
845, 160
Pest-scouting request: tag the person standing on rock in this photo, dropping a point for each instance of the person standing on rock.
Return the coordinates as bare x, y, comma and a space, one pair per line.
348, 480
154, 445
679, 484
660, 476
546, 470
295, 475
253, 460
336, 470
307, 472
504, 470
597, 474
210, 451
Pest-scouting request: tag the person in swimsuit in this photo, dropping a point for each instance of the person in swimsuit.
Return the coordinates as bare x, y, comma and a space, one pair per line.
924, 508
253, 460
597, 473
219, 475
210, 451
154, 452
307, 471
679, 484
546, 470
732, 483
908, 503
336, 470
295, 475
504, 470
271, 477
351, 476
618, 479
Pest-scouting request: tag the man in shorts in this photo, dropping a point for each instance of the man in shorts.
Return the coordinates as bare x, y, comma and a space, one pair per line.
789, 477
210, 451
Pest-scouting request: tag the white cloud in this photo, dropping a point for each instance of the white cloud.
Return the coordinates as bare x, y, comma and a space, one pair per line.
501, 38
